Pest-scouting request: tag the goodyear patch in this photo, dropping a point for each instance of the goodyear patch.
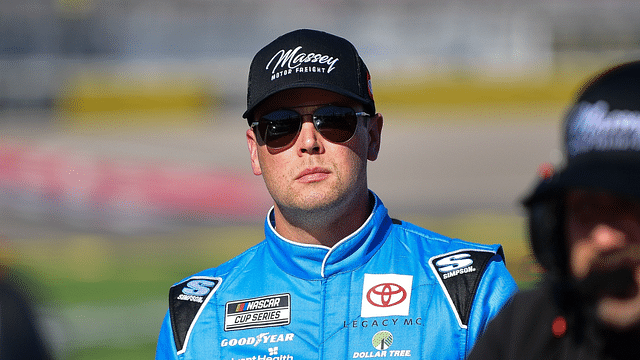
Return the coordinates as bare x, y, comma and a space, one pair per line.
266, 311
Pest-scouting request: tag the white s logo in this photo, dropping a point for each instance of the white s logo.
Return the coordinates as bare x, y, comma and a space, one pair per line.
198, 287
453, 262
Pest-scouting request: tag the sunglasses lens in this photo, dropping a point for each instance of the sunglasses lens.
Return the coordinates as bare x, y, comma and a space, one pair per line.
279, 128
336, 124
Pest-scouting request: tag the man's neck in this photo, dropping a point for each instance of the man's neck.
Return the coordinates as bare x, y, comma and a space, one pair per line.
322, 227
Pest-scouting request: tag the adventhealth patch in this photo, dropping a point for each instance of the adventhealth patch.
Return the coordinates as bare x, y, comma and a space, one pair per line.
266, 311
459, 274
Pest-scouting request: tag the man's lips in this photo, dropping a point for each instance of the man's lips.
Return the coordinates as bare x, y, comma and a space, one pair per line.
619, 283
613, 274
313, 175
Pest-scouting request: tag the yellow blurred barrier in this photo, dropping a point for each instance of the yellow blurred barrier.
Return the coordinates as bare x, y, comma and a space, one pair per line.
471, 96
452, 92
94, 97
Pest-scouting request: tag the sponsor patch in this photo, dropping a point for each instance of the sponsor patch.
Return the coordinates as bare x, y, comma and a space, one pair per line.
382, 342
273, 354
264, 338
459, 274
386, 295
186, 301
272, 310
596, 127
293, 61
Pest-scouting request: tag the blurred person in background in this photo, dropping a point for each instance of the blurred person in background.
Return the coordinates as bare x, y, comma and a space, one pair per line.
335, 277
20, 333
584, 224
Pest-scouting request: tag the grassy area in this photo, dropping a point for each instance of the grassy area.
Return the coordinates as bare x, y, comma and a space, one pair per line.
141, 351
85, 268
105, 296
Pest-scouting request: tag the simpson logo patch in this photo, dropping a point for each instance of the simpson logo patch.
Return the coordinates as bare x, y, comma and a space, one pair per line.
273, 310
459, 274
186, 301
386, 295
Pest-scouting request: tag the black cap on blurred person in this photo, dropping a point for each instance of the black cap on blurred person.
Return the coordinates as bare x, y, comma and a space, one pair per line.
602, 137
602, 153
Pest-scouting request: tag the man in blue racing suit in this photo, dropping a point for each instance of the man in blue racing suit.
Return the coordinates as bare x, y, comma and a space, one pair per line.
335, 277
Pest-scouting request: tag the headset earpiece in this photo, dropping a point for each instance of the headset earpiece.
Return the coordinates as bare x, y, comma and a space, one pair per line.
546, 233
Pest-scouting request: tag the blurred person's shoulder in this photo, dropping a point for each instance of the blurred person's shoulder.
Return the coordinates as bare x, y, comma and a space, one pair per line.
530, 323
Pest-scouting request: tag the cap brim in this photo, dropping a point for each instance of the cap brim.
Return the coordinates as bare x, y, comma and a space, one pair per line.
617, 172
369, 105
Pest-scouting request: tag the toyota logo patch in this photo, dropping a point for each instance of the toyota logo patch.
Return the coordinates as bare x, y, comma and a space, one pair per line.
386, 295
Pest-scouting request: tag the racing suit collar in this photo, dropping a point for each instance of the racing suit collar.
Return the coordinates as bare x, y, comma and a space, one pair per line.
318, 261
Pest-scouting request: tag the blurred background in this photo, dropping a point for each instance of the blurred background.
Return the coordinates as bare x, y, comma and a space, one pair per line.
123, 162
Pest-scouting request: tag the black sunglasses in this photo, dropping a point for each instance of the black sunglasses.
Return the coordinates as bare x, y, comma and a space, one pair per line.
280, 128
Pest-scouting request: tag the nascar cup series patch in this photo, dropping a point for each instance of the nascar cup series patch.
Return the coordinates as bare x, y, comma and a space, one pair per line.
459, 274
266, 311
186, 301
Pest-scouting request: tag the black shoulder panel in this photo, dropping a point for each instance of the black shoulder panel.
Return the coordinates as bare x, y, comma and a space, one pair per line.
459, 274
186, 300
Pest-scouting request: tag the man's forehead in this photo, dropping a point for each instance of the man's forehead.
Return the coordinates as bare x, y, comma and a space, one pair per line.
600, 196
299, 97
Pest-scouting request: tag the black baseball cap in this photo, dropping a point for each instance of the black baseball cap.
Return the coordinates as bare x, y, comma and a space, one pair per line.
602, 138
307, 58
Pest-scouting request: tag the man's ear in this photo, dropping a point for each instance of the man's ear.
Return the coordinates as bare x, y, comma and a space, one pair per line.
375, 132
252, 143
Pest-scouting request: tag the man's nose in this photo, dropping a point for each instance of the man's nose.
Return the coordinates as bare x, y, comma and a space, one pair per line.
309, 138
608, 237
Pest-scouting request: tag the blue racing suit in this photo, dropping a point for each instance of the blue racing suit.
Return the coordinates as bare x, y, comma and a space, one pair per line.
389, 290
